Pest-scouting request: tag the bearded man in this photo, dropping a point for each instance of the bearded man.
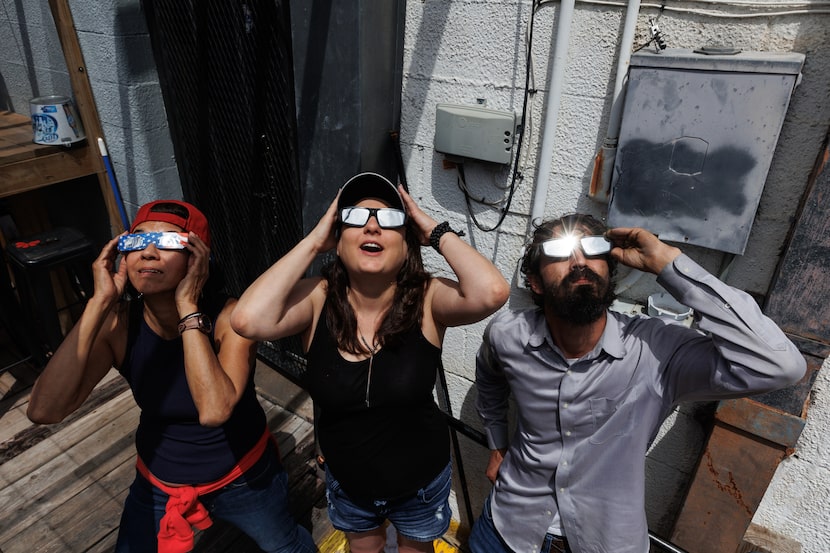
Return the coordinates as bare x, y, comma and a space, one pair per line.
592, 386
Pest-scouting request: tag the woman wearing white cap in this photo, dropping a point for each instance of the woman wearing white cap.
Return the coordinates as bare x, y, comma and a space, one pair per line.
372, 327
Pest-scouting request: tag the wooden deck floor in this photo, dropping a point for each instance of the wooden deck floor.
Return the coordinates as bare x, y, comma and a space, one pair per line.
62, 486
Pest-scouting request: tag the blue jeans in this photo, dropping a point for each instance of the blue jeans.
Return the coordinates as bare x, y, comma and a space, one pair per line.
423, 517
484, 538
256, 503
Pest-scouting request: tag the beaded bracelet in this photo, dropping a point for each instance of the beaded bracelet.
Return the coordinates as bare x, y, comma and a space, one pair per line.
440, 230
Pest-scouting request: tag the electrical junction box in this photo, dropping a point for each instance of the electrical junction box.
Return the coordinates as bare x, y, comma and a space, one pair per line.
698, 133
474, 132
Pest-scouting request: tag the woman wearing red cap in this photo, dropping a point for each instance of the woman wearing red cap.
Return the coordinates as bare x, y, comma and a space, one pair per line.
372, 327
203, 445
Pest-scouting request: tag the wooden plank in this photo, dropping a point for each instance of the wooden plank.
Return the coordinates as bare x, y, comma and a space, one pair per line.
42, 529
279, 390
112, 384
94, 514
84, 102
106, 544
58, 166
12, 422
16, 139
26, 166
106, 390
54, 482
86, 518
22, 465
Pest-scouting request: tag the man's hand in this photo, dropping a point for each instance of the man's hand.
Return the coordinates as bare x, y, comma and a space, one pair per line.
639, 249
496, 457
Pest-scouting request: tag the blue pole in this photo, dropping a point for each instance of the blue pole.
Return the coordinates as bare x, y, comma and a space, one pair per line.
113, 183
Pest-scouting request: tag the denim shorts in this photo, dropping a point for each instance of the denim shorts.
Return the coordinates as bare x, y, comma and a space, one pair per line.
422, 517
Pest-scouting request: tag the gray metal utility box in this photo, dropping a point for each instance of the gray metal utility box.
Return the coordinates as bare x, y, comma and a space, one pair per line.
697, 138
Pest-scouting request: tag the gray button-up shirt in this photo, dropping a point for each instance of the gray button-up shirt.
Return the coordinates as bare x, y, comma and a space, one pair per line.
583, 429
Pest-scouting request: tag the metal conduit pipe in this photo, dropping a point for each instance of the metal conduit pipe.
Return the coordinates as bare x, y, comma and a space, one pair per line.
557, 72
600, 189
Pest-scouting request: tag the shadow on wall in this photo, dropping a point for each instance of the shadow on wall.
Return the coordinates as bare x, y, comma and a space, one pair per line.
143, 122
5, 99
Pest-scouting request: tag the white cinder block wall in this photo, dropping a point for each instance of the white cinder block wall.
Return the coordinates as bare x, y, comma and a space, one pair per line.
472, 53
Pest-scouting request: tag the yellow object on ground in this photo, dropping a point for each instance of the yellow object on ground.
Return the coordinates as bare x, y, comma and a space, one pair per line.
336, 542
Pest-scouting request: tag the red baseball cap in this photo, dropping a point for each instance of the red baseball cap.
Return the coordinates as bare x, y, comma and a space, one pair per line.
181, 214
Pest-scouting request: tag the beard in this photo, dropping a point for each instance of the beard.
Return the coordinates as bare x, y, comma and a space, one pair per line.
580, 304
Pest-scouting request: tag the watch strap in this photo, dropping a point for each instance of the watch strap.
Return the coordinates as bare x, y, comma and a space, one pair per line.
197, 320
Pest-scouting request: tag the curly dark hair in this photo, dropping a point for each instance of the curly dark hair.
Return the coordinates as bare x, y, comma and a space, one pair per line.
407, 306
545, 230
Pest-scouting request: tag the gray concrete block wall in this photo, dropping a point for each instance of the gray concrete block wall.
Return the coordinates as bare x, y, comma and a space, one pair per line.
122, 72
31, 63
119, 63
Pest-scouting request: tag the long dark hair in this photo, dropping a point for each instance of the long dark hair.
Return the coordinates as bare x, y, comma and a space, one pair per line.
407, 308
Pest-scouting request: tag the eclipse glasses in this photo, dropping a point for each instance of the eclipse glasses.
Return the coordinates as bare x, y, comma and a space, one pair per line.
564, 247
161, 240
387, 217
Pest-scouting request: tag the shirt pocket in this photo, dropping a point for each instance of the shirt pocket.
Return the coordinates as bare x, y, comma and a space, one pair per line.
612, 417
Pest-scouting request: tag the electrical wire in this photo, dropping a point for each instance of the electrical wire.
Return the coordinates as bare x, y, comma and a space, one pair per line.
517, 175
808, 7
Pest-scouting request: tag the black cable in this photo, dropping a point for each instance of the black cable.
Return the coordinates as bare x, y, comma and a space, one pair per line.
516, 174
395, 136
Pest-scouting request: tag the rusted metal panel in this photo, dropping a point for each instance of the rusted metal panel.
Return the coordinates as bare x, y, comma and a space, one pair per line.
761, 421
797, 299
730, 480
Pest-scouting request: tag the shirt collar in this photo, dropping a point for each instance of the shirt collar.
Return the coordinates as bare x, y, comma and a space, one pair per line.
612, 337
611, 340
538, 329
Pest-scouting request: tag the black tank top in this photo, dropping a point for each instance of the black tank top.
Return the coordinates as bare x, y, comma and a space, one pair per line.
169, 438
400, 441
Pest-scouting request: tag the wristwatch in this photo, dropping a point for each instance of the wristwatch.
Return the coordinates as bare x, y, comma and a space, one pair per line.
196, 320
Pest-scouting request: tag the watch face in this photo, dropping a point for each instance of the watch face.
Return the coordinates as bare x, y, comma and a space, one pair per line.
201, 322
205, 324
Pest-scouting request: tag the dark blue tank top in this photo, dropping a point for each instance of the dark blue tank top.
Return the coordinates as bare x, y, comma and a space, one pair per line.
169, 439
400, 441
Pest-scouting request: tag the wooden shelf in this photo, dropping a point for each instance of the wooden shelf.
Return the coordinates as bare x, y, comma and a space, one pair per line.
26, 166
